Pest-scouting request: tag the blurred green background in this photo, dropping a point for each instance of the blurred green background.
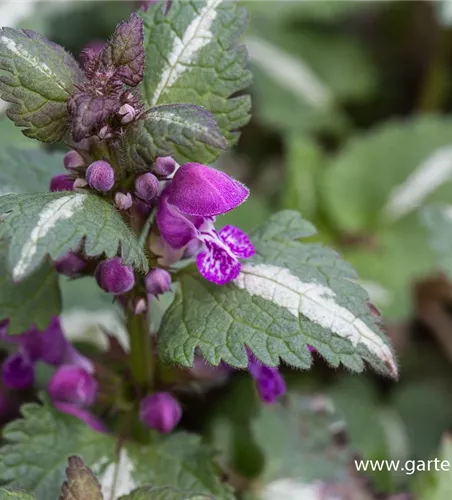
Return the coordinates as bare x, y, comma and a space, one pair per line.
351, 126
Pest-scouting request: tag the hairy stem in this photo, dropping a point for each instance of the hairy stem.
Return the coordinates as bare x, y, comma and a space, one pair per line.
141, 354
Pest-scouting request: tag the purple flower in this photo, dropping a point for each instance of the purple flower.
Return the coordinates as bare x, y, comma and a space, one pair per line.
157, 281
61, 182
218, 261
100, 176
70, 265
115, 277
127, 113
123, 201
204, 191
73, 160
160, 411
164, 166
269, 382
82, 414
73, 384
18, 371
147, 186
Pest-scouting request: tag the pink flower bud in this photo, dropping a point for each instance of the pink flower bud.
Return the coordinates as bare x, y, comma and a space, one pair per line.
80, 184
61, 182
73, 384
115, 277
73, 160
123, 201
140, 306
70, 265
157, 281
160, 411
164, 166
127, 113
100, 176
147, 186
105, 133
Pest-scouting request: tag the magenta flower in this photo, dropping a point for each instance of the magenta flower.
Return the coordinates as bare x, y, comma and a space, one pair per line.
18, 371
73, 384
61, 182
187, 210
204, 191
115, 277
82, 414
100, 176
270, 383
160, 411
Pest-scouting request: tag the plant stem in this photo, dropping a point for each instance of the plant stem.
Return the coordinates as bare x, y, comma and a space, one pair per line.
141, 355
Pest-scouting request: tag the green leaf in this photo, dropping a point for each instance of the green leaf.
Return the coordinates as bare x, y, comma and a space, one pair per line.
192, 56
182, 461
54, 223
37, 76
10, 135
31, 302
27, 170
40, 444
81, 484
12, 494
438, 221
289, 296
150, 493
304, 161
412, 161
437, 484
171, 129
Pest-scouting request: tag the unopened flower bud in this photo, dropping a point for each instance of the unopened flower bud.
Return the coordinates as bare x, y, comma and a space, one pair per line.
123, 201
73, 160
127, 113
80, 184
157, 281
115, 277
73, 384
105, 133
82, 414
100, 176
70, 265
147, 186
160, 411
269, 382
164, 166
18, 372
61, 182
140, 306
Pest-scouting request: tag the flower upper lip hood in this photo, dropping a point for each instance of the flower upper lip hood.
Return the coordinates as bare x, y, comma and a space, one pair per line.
200, 190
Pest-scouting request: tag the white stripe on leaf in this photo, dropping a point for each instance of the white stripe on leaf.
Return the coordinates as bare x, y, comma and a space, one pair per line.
56, 211
185, 50
289, 72
314, 301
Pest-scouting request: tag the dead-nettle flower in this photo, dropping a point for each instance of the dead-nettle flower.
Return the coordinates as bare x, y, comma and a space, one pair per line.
82, 414
61, 182
160, 411
186, 211
73, 384
49, 346
270, 383
70, 265
73, 161
164, 166
100, 176
115, 277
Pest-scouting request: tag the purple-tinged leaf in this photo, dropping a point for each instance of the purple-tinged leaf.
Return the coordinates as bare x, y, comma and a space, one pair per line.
81, 483
125, 51
89, 113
